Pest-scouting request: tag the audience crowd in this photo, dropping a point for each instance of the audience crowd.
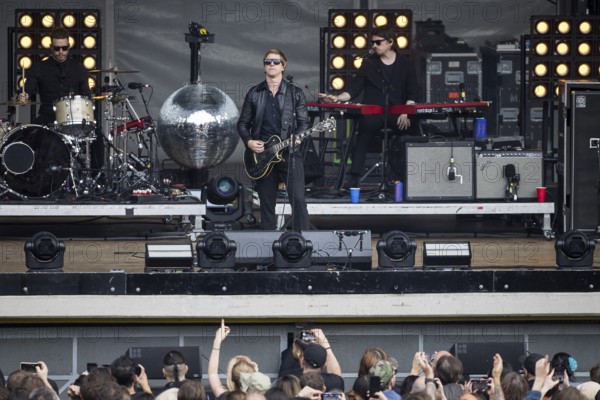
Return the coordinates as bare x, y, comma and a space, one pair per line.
309, 370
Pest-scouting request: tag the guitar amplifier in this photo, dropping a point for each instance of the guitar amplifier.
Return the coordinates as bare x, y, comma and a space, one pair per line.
431, 176
490, 182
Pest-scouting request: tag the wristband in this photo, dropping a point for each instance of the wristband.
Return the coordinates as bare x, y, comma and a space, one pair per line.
429, 380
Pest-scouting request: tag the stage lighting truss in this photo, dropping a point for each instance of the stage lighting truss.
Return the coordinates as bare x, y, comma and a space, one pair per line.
562, 48
575, 249
30, 39
291, 250
396, 250
346, 41
44, 253
216, 250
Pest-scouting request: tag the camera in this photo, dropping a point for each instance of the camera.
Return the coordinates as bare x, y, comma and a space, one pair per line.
307, 336
29, 366
374, 385
479, 385
331, 396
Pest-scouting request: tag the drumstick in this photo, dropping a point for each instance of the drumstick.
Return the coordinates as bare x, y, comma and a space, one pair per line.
23, 87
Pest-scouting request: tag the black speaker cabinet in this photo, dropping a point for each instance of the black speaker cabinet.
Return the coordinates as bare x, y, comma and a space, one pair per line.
432, 176
254, 248
578, 168
490, 182
351, 248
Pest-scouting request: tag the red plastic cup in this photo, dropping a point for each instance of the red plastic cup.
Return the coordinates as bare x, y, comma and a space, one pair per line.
541, 195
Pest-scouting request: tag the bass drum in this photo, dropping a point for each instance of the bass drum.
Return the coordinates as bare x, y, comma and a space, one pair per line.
36, 161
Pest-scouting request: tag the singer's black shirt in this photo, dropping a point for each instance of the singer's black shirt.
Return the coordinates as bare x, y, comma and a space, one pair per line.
52, 81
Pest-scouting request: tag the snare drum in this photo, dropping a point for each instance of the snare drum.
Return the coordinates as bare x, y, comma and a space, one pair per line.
36, 161
74, 115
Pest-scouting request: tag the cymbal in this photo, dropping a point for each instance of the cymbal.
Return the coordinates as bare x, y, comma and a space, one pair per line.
114, 70
19, 103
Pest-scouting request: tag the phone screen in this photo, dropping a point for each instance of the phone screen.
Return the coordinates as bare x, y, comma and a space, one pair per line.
374, 385
29, 366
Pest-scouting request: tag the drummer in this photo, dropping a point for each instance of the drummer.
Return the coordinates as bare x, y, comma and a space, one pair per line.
56, 77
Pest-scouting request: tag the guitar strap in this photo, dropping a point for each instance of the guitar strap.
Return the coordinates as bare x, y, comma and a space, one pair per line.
287, 112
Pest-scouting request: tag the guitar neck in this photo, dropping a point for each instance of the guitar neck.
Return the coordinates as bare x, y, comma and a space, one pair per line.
288, 142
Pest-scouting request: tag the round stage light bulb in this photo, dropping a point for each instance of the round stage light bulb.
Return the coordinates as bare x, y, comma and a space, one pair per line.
557, 91
564, 27
338, 62
90, 20
360, 42
542, 27
46, 42
360, 21
91, 83
25, 42
585, 27
89, 62
22, 82
25, 62
402, 42
401, 21
89, 42
339, 42
540, 91
71, 42
541, 49
562, 69
584, 49
25, 21
381, 20
540, 70
584, 69
48, 20
69, 20
45, 58
562, 48
338, 83
357, 62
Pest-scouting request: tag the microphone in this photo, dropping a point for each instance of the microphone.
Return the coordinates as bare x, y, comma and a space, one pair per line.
452, 170
367, 54
137, 85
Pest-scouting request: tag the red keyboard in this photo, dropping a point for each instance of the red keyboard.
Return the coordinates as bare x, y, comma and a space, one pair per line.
347, 108
438, 108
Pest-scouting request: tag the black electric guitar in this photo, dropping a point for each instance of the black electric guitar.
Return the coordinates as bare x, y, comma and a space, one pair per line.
258, 165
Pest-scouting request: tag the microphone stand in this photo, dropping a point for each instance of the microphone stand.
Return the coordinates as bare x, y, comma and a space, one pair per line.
384, 153
291, 151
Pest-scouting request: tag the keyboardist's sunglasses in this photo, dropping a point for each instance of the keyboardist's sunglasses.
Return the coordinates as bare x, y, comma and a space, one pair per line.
378, 42
58, 48
269, 61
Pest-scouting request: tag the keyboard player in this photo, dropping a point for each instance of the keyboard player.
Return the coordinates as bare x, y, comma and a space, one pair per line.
383, 70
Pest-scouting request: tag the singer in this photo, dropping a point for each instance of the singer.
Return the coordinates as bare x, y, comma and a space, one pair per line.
384, 71
55, 77
275, 107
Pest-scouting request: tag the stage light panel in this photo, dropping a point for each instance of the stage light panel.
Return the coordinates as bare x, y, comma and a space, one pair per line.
90, 20
402, 21
89, 62
338, 41
542, 27
585, 27
71, 42
380, 20
562, 48
540, 90
69, 20
338, 62
360, 21
540, 70
25, 62
402, 42
89, 42
25, 42
48, 21
45, 41
561, 69
584, 49
359, 41
541, 49
25, 20
584, 69
563, 27
357, 62
338, 83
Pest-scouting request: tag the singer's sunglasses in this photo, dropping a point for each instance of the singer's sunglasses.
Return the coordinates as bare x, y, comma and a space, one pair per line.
58, 48
378, 42
270, 61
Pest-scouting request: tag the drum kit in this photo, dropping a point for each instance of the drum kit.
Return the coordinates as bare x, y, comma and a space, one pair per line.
73, 157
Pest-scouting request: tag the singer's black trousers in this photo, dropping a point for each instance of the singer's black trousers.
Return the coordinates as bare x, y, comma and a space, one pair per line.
267, 189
